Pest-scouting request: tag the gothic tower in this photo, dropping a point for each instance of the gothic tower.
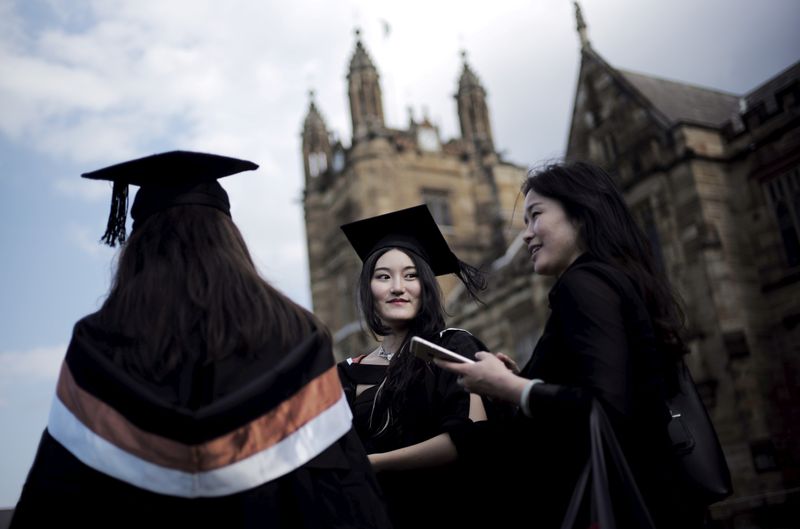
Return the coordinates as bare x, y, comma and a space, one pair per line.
468, 188
473, 113
316, 143
476, 132
364, 90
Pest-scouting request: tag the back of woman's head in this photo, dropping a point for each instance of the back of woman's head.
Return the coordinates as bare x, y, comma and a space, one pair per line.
608, 231
186, 285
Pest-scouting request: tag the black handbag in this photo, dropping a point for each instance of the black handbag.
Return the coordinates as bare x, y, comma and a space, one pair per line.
698, 454
593, 483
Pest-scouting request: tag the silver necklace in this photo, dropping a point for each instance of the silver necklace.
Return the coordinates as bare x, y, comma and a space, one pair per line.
383, 353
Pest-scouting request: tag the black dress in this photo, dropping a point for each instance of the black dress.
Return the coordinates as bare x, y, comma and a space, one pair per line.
597, 343
259, 441
435, 404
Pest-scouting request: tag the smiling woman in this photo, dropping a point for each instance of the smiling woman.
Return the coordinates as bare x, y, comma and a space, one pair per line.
612, 337
396, 288
551, 236
404, 407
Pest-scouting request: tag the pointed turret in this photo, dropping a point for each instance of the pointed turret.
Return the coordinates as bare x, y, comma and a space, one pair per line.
366, 103
473, 113
316, 142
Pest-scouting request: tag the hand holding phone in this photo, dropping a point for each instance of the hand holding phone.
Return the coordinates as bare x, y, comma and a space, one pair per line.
428, 350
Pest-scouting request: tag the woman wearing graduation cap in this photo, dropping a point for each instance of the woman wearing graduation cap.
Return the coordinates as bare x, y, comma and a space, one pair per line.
198, 395
403, 407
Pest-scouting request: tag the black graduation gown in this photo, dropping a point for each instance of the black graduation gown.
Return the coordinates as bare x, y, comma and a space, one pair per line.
435, 404
237, 443
587, 350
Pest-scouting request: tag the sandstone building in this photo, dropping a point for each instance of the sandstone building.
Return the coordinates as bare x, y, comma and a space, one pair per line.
713, 178
468, 187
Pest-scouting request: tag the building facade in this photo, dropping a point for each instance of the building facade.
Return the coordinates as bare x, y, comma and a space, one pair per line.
712, 177
469, 189
714, 180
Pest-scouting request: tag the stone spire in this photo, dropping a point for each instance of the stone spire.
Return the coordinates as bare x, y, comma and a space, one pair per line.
473, 112
581, 27
476, 131
316, 142
364, 90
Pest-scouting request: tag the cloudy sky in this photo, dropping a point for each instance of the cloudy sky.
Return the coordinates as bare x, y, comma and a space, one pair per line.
84, 84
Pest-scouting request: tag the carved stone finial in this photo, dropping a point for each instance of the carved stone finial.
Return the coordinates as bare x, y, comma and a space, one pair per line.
581, 26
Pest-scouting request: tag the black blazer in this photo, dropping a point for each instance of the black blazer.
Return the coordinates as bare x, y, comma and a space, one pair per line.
597, 342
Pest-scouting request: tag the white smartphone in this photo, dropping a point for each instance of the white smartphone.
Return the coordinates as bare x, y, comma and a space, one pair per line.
427, 351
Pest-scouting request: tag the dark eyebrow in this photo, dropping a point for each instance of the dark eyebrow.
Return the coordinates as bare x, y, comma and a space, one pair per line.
531, 206
387, 269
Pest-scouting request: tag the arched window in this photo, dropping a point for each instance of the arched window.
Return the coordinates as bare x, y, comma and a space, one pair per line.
317, 163
438, 201
788, 230
783, 196
643, 213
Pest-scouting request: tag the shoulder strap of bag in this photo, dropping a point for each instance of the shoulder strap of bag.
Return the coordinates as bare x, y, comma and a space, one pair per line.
604, 441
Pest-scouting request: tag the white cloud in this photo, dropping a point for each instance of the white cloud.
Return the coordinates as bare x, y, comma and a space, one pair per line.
88, 241
83, 188
36, 363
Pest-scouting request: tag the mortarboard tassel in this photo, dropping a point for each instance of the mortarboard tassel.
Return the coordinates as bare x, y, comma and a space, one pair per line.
115, 230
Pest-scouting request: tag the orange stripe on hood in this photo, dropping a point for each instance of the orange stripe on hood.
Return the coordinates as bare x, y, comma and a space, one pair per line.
312, 399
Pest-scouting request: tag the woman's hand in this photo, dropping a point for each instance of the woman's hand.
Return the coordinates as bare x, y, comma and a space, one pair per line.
490, 376
510, 363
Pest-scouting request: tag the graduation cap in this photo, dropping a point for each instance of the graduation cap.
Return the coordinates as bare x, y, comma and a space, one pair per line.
412, 229
167, 179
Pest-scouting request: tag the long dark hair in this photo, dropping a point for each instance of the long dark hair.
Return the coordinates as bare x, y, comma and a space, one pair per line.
608, 231
404, 368
185, 285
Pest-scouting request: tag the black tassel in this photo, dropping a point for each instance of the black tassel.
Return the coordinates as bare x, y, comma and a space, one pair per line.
115, 230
